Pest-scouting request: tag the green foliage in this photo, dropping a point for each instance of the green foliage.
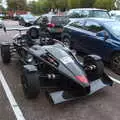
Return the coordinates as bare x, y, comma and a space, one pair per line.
42, 6
104, 4
87, 3
17, 4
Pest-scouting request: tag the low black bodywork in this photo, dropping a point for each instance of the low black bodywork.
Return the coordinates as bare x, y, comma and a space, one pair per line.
50, 64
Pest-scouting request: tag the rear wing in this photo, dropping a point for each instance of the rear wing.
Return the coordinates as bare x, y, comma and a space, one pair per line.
20, 29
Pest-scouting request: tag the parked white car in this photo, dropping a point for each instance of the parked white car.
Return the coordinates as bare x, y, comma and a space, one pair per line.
115, 14
1, 23
78, 13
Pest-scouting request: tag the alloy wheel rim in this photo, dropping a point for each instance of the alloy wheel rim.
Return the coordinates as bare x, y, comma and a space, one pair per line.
66, 42
116, 63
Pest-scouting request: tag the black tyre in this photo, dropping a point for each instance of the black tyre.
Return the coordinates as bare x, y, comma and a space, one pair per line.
66, 41
33, 33
5, 54
31, 84
97, 70
19, 23
115, 63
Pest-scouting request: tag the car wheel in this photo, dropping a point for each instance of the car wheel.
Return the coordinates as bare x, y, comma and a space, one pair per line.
94, 68
19, 23
31, 84
115, 63
26, 25
66, 42
5, 54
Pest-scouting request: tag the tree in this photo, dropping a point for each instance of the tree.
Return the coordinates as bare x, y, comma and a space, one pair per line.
0, 3
73, 3
17, 4
87, 3
80, 3
104, 4
42, 6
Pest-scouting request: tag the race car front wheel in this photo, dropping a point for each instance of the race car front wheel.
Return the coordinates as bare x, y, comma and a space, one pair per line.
93, 66
67, 42
5, 54
115, 63
31, 84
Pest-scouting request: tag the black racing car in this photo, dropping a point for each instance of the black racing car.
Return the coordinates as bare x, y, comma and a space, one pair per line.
48, 63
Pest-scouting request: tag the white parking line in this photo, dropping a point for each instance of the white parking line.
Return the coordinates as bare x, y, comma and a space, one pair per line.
115, 80
18, 113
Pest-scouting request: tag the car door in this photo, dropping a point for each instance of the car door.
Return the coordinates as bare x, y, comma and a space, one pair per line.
94, 43
76, 32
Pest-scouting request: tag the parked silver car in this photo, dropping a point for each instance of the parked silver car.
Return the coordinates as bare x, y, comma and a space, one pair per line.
1, 23
115, 14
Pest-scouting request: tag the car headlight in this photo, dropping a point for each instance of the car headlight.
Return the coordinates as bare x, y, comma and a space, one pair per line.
29, 58
27, 21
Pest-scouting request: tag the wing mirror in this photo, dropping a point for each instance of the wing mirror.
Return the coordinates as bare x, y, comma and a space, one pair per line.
103, 34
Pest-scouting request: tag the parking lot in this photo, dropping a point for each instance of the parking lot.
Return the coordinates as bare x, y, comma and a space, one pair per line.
102, 105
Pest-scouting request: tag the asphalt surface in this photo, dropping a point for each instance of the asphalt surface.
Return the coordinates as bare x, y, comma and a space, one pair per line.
103, 105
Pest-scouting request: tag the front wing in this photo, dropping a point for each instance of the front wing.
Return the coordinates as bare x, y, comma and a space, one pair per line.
64, 96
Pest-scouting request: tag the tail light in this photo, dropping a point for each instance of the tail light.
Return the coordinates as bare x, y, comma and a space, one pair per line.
51, 25
82, 79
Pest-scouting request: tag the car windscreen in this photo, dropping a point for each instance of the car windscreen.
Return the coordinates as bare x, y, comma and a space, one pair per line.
61, 20
117, 17
99, 14
113, 27
28, 17
88, 13
78, 13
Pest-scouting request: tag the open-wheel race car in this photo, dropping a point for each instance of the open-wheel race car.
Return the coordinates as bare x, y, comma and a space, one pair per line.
50, 64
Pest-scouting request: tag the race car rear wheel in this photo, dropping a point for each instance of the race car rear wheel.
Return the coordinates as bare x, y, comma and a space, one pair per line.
93, 67
67, 42
5, 54
31, 84
115, 63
